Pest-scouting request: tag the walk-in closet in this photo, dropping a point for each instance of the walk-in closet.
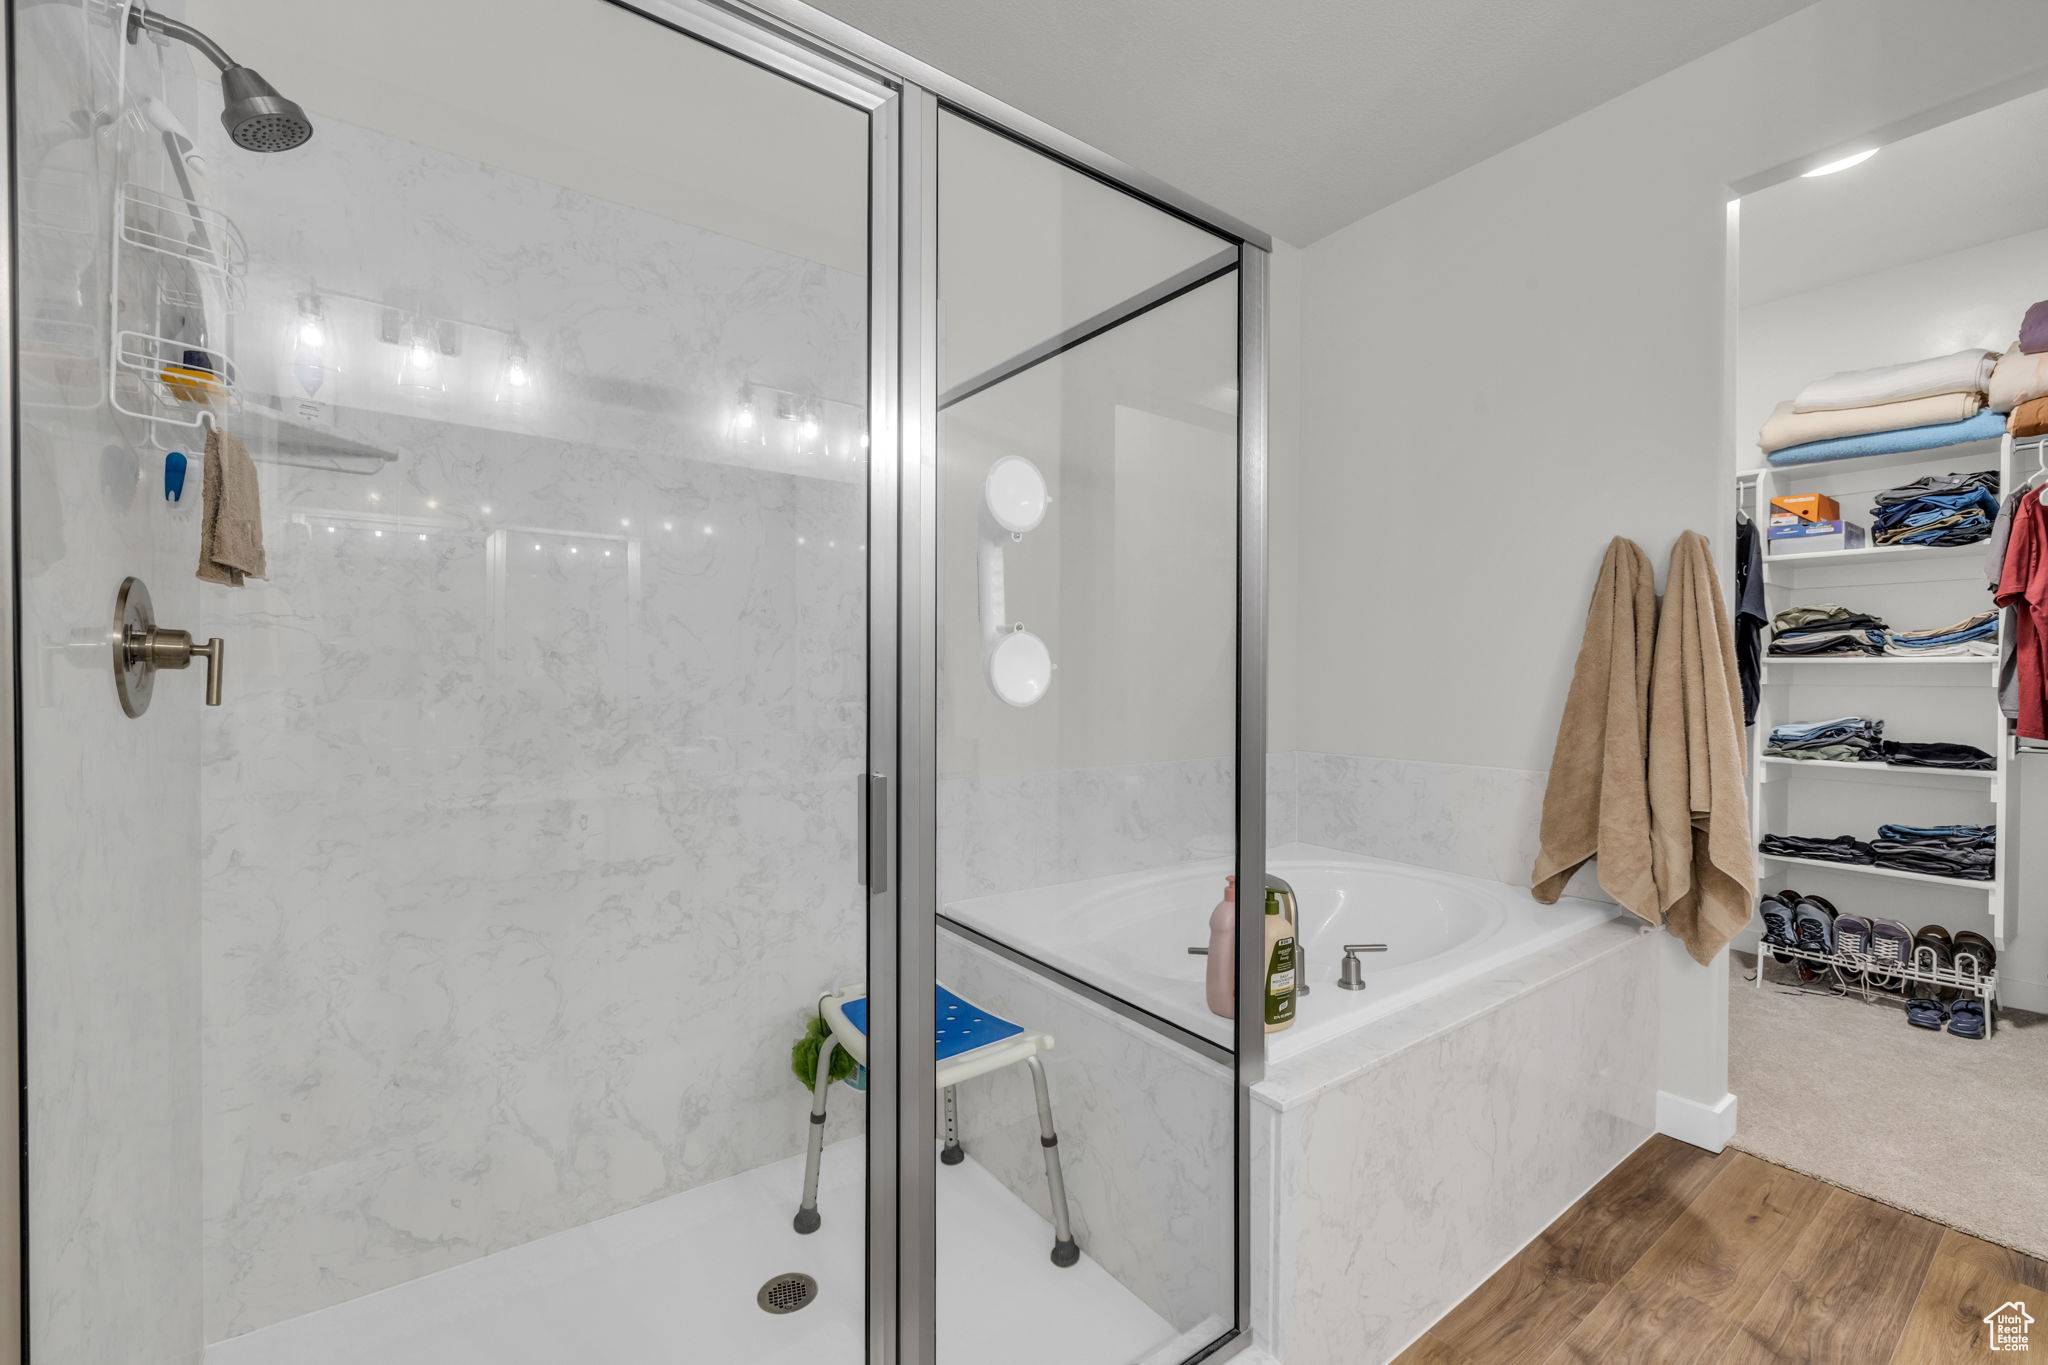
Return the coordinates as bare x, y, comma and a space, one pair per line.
1891, 414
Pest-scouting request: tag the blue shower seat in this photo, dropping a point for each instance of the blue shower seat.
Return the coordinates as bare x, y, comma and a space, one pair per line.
967, 1041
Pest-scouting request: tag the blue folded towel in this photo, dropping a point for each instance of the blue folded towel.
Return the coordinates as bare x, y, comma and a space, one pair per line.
1984, 426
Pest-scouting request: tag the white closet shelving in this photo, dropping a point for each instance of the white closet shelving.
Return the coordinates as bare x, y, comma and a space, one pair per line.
1942, 699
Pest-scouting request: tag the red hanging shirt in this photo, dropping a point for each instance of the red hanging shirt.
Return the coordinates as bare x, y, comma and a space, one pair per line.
2024, 587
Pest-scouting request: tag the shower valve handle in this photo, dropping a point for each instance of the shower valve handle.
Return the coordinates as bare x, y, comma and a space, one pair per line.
142, 648
167, 648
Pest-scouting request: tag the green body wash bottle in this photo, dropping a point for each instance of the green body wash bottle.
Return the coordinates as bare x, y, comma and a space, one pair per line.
1279, 966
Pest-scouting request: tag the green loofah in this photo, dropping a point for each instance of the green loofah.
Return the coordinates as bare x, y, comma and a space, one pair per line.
803, 1055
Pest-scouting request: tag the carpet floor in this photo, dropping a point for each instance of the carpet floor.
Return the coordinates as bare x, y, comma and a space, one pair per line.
1848, 1092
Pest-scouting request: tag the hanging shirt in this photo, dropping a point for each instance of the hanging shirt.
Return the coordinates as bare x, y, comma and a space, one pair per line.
1750, 614
2023, 586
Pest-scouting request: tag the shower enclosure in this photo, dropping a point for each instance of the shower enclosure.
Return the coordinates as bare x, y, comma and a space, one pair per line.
712, 527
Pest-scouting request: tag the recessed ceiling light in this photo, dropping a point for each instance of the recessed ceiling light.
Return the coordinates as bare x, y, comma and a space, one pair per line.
1853, 159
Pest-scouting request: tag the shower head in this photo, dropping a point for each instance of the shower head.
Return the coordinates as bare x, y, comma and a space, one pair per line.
255, 115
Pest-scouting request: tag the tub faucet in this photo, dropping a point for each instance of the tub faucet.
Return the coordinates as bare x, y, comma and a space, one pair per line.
1353, 977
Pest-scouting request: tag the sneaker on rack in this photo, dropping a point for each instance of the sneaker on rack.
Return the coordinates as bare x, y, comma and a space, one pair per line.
1776, 911
1852, 935
1813, 922
1891, 944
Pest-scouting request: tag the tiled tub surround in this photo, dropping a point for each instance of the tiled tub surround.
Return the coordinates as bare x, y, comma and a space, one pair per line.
1512, 1066
1128, 934
1397, 1167
528, 830
1479, 821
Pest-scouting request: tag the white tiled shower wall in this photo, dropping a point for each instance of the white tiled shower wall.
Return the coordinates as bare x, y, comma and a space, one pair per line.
528, 835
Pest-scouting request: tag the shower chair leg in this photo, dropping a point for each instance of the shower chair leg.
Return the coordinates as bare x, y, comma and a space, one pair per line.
951, 1153
1064, 1251
807, 1219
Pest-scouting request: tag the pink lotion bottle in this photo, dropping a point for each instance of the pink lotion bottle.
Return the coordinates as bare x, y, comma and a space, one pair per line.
1222, 959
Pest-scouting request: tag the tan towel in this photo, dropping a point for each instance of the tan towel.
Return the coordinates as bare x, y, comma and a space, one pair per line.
1789, 428
1699, 816
2019, 378
2029, 418
231, 513
1596, 801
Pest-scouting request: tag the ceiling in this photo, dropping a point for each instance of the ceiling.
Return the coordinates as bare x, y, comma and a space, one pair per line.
1945, 190
1301, 116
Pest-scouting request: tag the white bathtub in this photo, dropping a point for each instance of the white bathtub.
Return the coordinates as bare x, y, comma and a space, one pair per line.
1129, 934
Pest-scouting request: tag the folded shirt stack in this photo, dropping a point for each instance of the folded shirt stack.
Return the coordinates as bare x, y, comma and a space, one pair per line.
1932, 402
1826, 629
1840, 849
1906, 754
2019, 382
1845, 739
1968, 852
1972, 637
1941, 509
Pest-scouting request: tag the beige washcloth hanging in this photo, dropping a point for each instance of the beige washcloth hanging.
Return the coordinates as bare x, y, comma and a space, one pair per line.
231, 513
1699, 815
1596, 802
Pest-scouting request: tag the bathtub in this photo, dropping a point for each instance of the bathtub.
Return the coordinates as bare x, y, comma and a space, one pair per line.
1129, 935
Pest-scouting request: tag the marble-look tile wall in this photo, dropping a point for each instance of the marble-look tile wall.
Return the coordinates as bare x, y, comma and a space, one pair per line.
1146, 1137
1401, 1164
1482, 822
110, 805
1012, 831
529, 832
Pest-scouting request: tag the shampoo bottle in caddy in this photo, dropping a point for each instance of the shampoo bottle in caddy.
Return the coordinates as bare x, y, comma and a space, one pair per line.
1222, 959
1279, 966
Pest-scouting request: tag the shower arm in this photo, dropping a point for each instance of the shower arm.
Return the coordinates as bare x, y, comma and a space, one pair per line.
141, 17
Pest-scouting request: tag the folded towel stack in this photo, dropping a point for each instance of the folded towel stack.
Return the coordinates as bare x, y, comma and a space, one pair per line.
2019, 383
1845, 739
1941, 509
1826, 629
1922, 404
1973, 636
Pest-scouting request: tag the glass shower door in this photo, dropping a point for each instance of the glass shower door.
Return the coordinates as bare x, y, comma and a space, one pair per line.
1088, 785
450, 991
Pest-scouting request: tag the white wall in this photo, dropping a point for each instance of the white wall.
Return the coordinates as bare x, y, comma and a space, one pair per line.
1513, 365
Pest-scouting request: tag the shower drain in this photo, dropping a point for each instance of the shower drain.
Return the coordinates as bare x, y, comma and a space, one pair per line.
787, 1293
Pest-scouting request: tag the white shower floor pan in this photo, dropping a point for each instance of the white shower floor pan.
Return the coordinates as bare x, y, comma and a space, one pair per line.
674, 1281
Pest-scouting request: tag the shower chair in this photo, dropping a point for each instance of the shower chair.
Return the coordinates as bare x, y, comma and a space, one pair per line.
969, 1041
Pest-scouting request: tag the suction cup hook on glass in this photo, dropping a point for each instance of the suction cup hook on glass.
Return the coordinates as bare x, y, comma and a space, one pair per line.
1015, 494
1020, 668
1014, 500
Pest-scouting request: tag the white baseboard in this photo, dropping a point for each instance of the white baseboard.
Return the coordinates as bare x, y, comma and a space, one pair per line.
1703, 1125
